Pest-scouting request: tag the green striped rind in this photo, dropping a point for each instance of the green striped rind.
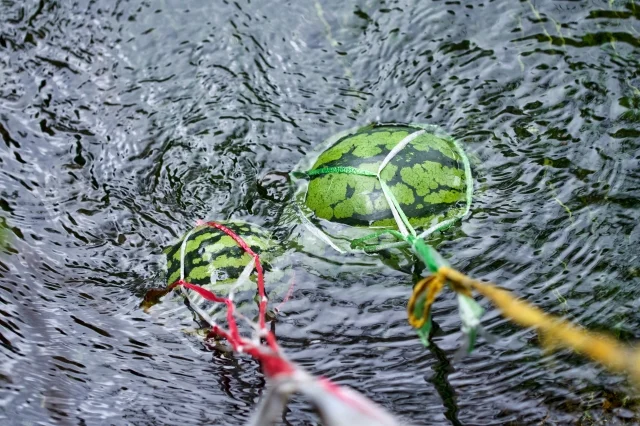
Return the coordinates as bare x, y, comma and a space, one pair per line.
427, 178
212, 257
214, 261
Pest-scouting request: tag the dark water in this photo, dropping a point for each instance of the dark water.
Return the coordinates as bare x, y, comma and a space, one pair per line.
123, 122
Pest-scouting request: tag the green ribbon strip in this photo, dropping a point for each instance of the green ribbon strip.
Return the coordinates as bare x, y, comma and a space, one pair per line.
342, 170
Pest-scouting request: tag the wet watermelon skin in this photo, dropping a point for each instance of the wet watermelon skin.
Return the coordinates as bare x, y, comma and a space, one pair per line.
427, 178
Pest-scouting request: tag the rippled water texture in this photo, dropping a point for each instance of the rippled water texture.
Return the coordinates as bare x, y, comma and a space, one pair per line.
122, 122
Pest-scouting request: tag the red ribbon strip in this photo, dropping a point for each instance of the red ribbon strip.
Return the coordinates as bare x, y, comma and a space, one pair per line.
272, 362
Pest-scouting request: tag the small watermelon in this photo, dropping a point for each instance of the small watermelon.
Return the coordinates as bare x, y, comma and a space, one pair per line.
213, 260
212, 257
429, 177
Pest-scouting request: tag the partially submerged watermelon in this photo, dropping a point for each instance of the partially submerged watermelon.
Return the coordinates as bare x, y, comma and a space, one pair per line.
213, 260
429, 178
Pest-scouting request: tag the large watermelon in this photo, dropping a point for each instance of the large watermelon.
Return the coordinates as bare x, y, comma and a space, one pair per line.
429, 177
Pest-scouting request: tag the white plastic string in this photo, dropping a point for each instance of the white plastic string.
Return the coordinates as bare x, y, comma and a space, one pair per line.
399, 147
385, 189
392, 206
317, 232
469, 195
189, 294
244, 277
183, 249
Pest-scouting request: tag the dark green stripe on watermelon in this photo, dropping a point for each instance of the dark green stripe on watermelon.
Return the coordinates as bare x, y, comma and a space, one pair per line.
426, 177
210, 251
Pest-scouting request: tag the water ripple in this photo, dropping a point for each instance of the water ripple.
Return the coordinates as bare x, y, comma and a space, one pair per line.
121, 123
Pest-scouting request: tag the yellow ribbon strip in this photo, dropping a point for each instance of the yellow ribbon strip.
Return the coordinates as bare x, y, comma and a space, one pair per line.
555, 332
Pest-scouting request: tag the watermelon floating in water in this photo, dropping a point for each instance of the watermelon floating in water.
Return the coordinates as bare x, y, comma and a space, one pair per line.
212, 259
342, 184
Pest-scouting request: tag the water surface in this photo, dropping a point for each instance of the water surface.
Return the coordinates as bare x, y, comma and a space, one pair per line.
123, 122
